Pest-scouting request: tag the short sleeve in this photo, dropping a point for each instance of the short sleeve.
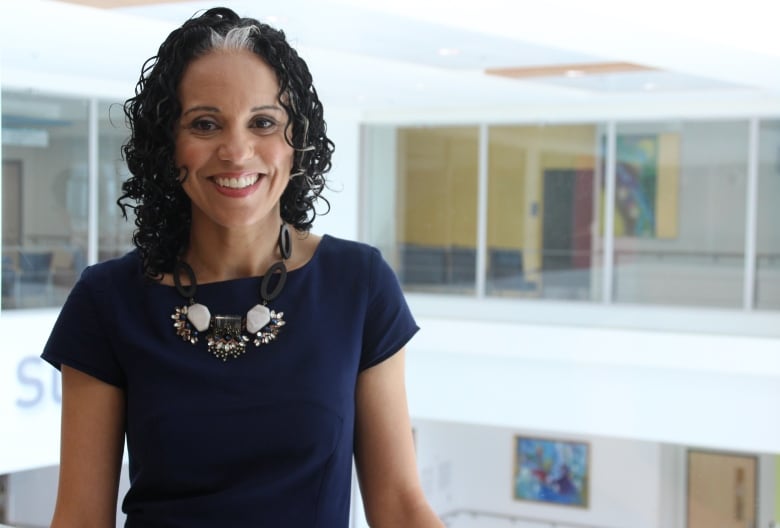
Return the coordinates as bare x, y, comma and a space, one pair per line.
389, 323
80, 337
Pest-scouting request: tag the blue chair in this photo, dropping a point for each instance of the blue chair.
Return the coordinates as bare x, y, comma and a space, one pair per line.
35, 277
506, 271
421, 265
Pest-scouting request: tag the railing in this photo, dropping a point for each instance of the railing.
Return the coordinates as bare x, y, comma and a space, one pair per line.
448, 265
452, 516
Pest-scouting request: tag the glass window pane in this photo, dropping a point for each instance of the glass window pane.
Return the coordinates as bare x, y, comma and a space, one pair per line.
680, 213
437, 208
44, 198
114, 232
768, 221
543, 194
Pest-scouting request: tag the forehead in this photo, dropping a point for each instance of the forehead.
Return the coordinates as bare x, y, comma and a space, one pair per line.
228, 74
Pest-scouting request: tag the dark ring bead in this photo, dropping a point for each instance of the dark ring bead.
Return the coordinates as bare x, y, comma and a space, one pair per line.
189, 291
285, 244
282, 272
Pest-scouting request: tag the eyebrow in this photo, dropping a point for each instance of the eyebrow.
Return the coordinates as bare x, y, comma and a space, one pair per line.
214, 109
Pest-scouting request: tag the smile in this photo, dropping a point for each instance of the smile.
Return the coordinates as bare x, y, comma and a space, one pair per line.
237, 183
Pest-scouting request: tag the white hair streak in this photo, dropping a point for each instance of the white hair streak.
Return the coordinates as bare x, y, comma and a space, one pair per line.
236, 38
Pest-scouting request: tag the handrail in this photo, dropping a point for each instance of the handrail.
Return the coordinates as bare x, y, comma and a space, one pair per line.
450, 516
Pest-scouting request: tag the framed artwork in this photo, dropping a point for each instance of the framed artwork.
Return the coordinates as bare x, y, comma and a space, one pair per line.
552, 471
636, 185
647, 182
722, 489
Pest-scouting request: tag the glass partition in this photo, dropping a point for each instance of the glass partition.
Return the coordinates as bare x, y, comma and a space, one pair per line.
767, 286
680, 213
543, 195
44, 197
114, 232
436, 208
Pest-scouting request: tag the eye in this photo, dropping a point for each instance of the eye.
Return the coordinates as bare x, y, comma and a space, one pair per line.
263, 123
203, 125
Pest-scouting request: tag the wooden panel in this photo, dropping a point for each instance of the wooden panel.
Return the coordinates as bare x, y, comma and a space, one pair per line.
561, 70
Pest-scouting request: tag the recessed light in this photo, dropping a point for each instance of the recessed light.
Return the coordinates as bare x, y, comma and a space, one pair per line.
448, 52
574, 73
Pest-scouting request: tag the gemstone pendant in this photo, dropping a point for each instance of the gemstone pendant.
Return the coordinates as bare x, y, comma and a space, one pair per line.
226, 340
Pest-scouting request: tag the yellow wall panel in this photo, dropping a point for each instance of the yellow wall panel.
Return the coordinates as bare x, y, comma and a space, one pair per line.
667, 202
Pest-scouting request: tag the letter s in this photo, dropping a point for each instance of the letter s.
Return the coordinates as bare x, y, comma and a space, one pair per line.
25, 379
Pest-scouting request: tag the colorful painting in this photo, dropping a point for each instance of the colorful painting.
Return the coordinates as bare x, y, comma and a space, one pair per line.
552, 471
636, 185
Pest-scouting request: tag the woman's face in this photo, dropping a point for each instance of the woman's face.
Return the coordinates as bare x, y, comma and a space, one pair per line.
231, 140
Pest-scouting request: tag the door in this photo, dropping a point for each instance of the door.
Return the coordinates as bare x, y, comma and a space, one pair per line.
721, 490
12, 203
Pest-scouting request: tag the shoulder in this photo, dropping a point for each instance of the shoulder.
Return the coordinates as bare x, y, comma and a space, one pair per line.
355, 258
356, 261
348, 252
123, 270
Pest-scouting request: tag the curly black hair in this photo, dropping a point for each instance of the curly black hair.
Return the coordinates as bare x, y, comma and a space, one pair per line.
162, 209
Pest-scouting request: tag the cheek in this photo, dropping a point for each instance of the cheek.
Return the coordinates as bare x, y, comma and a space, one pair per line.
287, 157
187, 154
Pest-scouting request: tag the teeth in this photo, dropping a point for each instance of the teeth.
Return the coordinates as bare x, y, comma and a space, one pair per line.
236, 183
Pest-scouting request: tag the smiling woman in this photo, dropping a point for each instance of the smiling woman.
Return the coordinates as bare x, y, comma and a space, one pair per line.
243, 402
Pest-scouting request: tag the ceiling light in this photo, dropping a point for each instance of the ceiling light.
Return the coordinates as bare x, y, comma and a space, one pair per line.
574, 73
448, 52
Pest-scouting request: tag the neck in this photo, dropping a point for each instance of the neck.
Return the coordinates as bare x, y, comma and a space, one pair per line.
224, 254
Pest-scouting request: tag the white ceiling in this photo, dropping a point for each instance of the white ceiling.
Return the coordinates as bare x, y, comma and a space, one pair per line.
385, 55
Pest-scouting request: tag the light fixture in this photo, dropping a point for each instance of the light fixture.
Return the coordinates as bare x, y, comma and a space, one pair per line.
568, 70
448, 52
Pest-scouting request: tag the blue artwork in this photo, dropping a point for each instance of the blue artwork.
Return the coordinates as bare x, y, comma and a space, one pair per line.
551, 471
636, 187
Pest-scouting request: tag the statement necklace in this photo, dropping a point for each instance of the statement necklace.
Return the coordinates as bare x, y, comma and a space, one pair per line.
228, 335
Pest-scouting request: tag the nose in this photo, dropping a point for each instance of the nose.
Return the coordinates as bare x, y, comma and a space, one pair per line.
236, 145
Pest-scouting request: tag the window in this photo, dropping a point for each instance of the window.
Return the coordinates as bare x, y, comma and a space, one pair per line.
680, 213
543, 195
114, 232
429, 191
44, 198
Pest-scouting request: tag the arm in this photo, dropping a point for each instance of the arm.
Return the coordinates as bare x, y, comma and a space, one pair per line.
93, 419
384, 452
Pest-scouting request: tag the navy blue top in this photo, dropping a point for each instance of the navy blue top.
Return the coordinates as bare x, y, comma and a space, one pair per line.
265, 439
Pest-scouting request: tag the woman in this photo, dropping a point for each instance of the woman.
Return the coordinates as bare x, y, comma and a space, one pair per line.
244, 359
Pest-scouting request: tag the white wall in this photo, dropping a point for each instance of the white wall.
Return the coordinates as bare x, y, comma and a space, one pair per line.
681, 388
